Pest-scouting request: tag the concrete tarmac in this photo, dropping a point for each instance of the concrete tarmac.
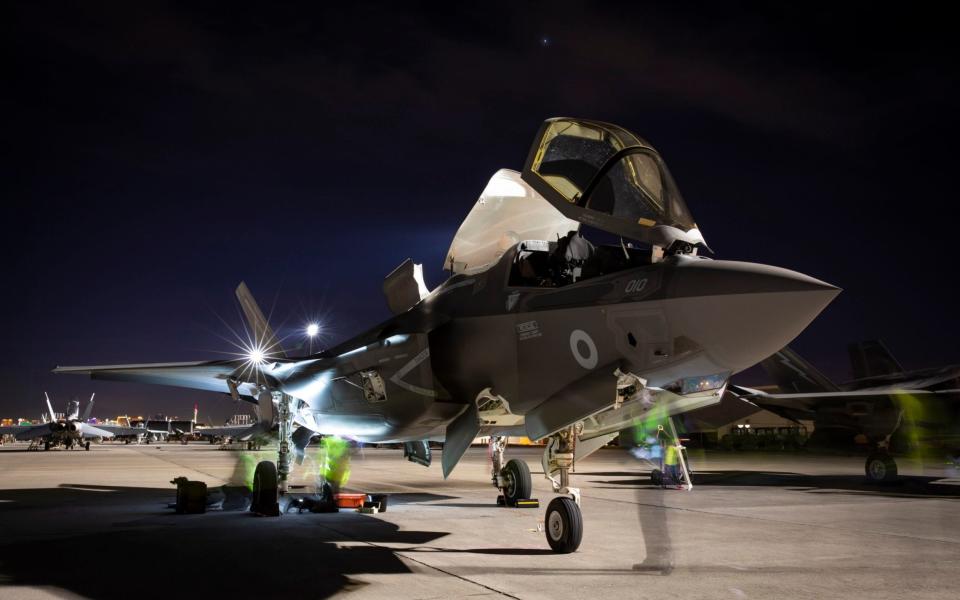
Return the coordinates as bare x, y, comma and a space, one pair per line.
95, 525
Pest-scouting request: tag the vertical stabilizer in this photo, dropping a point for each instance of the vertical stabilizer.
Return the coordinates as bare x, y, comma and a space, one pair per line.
89, 410
794, 375
53, 415
263, 336
871, 358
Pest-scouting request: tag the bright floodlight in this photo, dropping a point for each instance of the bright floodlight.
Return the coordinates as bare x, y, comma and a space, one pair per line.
256, 355
313, 329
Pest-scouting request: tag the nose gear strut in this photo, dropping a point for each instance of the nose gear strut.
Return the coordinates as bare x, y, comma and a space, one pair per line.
563, 520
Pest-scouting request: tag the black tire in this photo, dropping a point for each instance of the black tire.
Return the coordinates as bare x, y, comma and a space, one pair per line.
564, 525
880, 467
46, 445
656, 477
264, 499
382, 499
519, 484
86, 446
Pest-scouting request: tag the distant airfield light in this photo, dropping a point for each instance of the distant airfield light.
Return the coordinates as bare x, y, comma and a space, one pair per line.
313, 329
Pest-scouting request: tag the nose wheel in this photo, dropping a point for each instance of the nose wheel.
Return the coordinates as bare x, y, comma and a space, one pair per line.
564, 525
563, 521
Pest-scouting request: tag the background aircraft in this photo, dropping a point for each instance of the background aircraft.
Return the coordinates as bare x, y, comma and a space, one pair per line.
72, 431
536, 332
884, 407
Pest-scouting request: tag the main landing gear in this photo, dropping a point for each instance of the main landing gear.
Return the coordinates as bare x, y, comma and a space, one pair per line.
513, 478
564, 521
269, 478
880, 467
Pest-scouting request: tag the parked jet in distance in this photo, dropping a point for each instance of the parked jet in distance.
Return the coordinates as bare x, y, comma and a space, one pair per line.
885, 407
536, 332
70, 432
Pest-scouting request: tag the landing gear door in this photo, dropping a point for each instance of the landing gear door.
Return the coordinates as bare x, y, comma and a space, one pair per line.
606, 177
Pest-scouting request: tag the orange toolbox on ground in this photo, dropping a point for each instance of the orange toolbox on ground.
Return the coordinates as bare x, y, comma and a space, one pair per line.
350, 500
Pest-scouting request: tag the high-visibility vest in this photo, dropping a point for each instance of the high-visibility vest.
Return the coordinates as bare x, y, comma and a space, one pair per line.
671, 457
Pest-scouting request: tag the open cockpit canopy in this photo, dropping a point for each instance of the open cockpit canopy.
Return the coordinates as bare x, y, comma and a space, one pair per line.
606, 177
508, 211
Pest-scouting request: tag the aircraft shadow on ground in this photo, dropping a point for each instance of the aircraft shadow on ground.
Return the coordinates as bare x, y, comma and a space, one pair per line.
918, 486
116, 542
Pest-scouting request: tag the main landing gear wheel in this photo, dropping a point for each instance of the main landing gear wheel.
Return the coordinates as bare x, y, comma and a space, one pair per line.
265, 490
86, 446
46, 445
517, 482
656, 477
880, 467
564, 525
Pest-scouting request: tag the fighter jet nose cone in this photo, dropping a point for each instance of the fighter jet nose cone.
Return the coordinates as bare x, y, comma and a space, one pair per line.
714, 277
740, 313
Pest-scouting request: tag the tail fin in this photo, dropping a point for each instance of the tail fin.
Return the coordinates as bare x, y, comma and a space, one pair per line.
871, 358
53, 415
73, 409
263, 335
89, 409
795, 375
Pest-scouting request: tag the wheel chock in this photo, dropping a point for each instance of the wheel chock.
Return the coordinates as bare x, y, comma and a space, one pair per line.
528, 503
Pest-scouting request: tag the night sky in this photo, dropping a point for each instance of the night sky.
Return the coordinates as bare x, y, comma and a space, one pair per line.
155, 156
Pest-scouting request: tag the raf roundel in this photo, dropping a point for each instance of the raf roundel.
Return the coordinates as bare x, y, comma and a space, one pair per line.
583, 349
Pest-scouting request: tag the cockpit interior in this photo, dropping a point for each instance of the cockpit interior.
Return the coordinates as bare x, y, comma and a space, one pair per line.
569, 259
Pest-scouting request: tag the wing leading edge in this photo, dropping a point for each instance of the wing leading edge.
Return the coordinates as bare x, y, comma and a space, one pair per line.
211, 376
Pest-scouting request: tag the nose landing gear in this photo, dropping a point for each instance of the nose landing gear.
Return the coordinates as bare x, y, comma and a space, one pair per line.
564, 525
564, 520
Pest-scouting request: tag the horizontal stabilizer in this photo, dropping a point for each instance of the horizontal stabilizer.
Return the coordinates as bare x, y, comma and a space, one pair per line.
89, 431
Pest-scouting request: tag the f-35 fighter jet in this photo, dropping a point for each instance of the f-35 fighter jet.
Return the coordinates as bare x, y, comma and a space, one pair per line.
537, 331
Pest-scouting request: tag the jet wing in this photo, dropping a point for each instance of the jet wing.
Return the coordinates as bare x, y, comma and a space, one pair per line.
209, 376
113, 430
26, 432
806, 405
14, 429
239, 432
